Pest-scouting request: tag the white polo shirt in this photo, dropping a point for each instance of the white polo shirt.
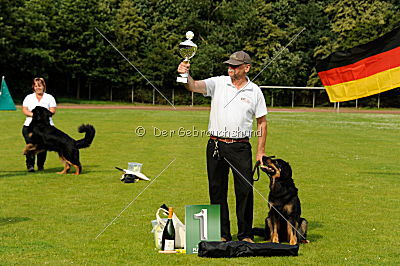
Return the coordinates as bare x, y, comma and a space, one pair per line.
232, 110
31, 102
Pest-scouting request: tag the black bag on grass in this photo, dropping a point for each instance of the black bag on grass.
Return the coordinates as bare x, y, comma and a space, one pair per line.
128, 178
232, 249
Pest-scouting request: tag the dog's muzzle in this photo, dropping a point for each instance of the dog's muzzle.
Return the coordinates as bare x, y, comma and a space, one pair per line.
271, 167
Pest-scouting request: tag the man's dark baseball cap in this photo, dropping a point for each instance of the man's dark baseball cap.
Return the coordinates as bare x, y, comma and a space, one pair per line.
238, 58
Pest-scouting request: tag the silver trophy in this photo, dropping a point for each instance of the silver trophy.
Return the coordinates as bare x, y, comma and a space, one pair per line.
187, 49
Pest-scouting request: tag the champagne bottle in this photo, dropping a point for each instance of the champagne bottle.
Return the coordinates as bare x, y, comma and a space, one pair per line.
168, 236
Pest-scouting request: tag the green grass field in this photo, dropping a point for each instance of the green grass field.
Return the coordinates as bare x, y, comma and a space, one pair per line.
346, 167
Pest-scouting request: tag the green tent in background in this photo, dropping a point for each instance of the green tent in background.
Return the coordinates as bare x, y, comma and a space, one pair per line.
6, 101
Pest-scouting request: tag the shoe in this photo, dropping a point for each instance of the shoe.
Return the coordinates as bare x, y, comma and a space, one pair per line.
40, 168
223, 239
31, 169
247, 239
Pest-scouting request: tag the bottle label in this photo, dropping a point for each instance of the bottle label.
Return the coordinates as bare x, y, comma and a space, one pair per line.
169, 245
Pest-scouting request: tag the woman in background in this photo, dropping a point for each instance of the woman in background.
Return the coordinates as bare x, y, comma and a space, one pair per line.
39, 97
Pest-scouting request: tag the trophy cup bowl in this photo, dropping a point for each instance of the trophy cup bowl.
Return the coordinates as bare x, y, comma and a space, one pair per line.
187, 50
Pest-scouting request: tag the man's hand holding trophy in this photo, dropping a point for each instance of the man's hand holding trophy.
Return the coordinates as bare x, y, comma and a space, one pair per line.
187, 49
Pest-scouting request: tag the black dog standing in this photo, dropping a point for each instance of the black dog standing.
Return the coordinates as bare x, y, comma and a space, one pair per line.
39, 97
46, 137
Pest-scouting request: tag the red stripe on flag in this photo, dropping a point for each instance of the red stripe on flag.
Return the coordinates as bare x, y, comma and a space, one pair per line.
362, 69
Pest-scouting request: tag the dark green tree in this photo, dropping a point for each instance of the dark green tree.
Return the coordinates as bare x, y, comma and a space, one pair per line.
26, 38
79, 42
129, 28
356, 22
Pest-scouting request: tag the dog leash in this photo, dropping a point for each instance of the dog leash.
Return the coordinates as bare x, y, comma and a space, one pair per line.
257, 167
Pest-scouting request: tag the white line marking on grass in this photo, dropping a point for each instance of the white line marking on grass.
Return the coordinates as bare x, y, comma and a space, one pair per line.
272, 206
372, 125
134, 67
127, 206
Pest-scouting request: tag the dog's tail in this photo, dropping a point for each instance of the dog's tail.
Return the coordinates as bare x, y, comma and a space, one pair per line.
89, 136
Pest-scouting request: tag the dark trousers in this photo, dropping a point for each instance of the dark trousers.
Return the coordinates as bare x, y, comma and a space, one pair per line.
239, 155
30, 158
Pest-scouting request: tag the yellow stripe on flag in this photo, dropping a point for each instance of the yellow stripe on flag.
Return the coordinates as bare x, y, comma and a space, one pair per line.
377, 83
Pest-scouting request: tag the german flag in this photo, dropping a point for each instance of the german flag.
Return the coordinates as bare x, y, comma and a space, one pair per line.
364, 70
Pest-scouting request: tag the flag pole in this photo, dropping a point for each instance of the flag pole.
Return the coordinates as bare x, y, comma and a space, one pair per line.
1, 86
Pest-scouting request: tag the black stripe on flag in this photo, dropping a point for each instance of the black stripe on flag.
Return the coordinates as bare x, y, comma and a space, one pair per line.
384, 43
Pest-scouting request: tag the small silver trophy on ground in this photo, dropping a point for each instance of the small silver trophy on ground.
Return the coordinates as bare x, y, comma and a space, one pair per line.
187, 49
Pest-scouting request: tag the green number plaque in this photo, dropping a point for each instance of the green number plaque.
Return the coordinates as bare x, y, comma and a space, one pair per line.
202, 224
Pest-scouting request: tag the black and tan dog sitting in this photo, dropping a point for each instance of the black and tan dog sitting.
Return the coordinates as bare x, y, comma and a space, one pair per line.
46, 137
284, 222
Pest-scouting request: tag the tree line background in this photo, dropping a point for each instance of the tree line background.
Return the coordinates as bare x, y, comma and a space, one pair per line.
57, 40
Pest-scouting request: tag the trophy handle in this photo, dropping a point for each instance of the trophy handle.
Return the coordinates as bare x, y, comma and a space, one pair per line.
184, 77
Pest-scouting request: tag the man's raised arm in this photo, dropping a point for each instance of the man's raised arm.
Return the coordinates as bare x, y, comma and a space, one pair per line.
192, 85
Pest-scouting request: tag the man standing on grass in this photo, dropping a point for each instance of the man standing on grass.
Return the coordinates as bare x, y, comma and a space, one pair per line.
234, 102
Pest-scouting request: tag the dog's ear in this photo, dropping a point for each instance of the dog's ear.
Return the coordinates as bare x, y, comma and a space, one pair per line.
49, 113
266, 160
44, 112
285, 167
35, 113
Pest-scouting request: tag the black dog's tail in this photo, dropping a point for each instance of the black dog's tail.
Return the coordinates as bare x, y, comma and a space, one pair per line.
89, 136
